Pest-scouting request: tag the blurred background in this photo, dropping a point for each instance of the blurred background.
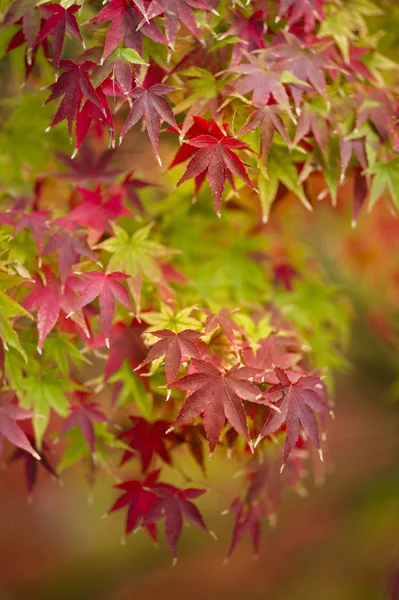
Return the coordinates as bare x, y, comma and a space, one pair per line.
341, 542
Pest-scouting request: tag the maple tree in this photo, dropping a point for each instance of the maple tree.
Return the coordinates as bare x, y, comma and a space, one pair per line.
202, 333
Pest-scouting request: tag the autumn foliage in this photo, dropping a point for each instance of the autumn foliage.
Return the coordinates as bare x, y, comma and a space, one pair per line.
137, 327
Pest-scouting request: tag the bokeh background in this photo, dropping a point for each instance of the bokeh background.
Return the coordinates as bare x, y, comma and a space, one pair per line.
341, 542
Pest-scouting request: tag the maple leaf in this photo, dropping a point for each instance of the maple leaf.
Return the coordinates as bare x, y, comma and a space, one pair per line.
87, 167
48, 299
310, 11
297, 403
32, 465
61, 21
222, 319
273, 351
268, 118
176, 12
125, 343
119, 65
9, 309
216, 157
386, 177
26, 12
250, 31
168, 319
84, 415
106, 287
126, 25
90, 111
204, 93
219, 396
129, 186
70, 247
200, 126
30, 57
10, 414
43, 390
306, 63
176, 347
312, 120
150, 105
134, 254
173, 505
349, 146
36, 223
97, 211
379, 109
147, 439
139, 497
261, 76
247, 518
74, 84
360, 192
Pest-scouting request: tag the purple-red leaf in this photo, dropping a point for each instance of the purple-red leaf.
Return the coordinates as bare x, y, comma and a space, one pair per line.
219, 396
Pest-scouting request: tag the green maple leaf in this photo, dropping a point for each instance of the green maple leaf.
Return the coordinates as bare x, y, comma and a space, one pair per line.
386, 177
42, 392
133, 390
135, 254
167, 319
280, 168
8, 310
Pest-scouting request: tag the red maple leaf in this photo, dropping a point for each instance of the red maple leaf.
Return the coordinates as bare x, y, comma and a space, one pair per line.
129, 186
262, 76
247, 518
216, 158
84, 415
91, 111
97, 211
250, 31
173, 505
36, 223
306, 60
273, 351
223, 320
70, 246
87, 166
48, 299
30, 57
73, 84
297, 403
61, 21
348, 147
219, 395
10, 413
378, 107
151, 106
176, 12
310, 11
106, 287
125, 343
200, 127
126, 25
32, 465
268, 119
139, 497
28, 15
311, 121
176, 347
147, 439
